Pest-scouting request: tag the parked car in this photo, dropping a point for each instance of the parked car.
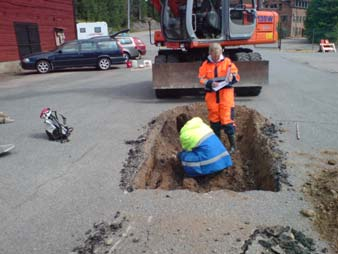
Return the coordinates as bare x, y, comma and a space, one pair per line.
101, 53
133, 42
128, 52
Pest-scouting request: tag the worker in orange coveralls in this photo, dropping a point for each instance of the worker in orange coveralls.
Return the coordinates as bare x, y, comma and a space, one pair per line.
217, 74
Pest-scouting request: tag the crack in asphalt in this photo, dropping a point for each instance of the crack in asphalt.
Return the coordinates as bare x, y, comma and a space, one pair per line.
62, 174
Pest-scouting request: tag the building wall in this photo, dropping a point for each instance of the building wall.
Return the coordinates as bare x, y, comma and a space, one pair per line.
47, 14
285, 18
297, 26
292, 15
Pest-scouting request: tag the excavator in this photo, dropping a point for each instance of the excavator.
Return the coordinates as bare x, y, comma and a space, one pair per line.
188, 27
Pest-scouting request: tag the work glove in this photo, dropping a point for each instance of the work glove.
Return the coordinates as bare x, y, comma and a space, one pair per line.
208, 86
234, 80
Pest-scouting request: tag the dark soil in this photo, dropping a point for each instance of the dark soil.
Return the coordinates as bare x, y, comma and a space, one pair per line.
322, 190
258, 163
103, 236
279, 239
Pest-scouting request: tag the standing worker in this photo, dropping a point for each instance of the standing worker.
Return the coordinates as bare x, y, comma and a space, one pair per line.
220, 101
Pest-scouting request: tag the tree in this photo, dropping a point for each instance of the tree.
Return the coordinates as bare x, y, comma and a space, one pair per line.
322, 20
114, 12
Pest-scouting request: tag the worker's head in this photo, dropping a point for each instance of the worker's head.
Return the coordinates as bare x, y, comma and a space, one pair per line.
215, 51
181, 120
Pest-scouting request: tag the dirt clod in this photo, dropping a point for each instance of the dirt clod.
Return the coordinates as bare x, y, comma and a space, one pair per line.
332, 162
102, 236
278, 239
258, 163
322, 189
308, 212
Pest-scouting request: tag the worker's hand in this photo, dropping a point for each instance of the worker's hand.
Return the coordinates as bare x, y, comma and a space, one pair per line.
231, 77
214, 84
208, 86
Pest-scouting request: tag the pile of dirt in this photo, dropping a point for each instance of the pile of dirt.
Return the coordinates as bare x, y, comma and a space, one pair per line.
279, 239
258, 163
322, 190
103, 237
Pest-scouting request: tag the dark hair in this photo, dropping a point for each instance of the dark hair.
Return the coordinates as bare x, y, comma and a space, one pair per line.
181, 121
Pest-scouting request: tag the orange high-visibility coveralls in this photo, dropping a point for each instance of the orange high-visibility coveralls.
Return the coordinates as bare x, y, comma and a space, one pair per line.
221, 103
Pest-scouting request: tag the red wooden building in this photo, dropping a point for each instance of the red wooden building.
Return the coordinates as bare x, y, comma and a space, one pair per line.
28, 26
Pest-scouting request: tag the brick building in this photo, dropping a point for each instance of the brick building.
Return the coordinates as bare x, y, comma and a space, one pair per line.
292, 15
28, 26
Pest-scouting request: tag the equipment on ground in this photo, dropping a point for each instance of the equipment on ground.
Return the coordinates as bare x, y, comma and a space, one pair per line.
187, 29
6, 148
55, 130
326, 46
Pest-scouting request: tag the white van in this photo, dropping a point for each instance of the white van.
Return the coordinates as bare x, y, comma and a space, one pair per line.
86, 30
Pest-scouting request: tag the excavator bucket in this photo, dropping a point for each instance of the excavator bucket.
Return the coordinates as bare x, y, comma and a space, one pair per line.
180, 79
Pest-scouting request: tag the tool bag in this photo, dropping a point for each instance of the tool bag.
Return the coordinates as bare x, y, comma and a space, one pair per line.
55, 129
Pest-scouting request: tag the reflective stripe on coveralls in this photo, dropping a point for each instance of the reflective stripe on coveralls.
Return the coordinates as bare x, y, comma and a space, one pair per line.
206, 162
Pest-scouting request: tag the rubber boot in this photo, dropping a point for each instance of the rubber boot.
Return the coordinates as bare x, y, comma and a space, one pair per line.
232, 141
216, 127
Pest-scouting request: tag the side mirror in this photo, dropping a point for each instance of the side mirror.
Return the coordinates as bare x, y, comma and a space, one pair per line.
60, 51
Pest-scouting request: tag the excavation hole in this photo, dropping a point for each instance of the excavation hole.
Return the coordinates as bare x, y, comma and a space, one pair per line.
258, 163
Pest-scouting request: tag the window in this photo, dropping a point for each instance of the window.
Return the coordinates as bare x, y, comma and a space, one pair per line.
125, 41
284, 18
280, 7
72, 47
301, 4
82, 30
107, 45
88, 46
97, 29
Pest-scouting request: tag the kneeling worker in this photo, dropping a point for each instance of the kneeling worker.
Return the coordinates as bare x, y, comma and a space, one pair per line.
203, 153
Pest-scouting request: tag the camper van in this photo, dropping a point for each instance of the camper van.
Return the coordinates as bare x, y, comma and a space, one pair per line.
86, 30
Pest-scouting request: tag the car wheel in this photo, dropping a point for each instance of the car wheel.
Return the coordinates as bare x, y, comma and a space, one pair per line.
104, 63
43, 66
139, 56
127, 56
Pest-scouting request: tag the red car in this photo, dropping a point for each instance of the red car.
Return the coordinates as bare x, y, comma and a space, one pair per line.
134, 42
139, 45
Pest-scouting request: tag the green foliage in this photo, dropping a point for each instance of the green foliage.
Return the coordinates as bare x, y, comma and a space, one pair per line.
322, 20
114, 12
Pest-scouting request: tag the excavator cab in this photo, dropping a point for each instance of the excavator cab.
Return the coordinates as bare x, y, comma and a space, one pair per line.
208, 20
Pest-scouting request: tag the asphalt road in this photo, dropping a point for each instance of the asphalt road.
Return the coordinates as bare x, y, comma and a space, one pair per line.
52, 193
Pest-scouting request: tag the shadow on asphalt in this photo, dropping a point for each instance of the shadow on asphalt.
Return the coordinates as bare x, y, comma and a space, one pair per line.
79, 69
141, 92
41, 135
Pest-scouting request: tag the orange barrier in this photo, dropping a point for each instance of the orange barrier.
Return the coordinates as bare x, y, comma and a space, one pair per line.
326, 46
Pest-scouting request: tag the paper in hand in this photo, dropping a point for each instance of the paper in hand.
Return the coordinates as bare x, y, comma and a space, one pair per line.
221, 84
223, 81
